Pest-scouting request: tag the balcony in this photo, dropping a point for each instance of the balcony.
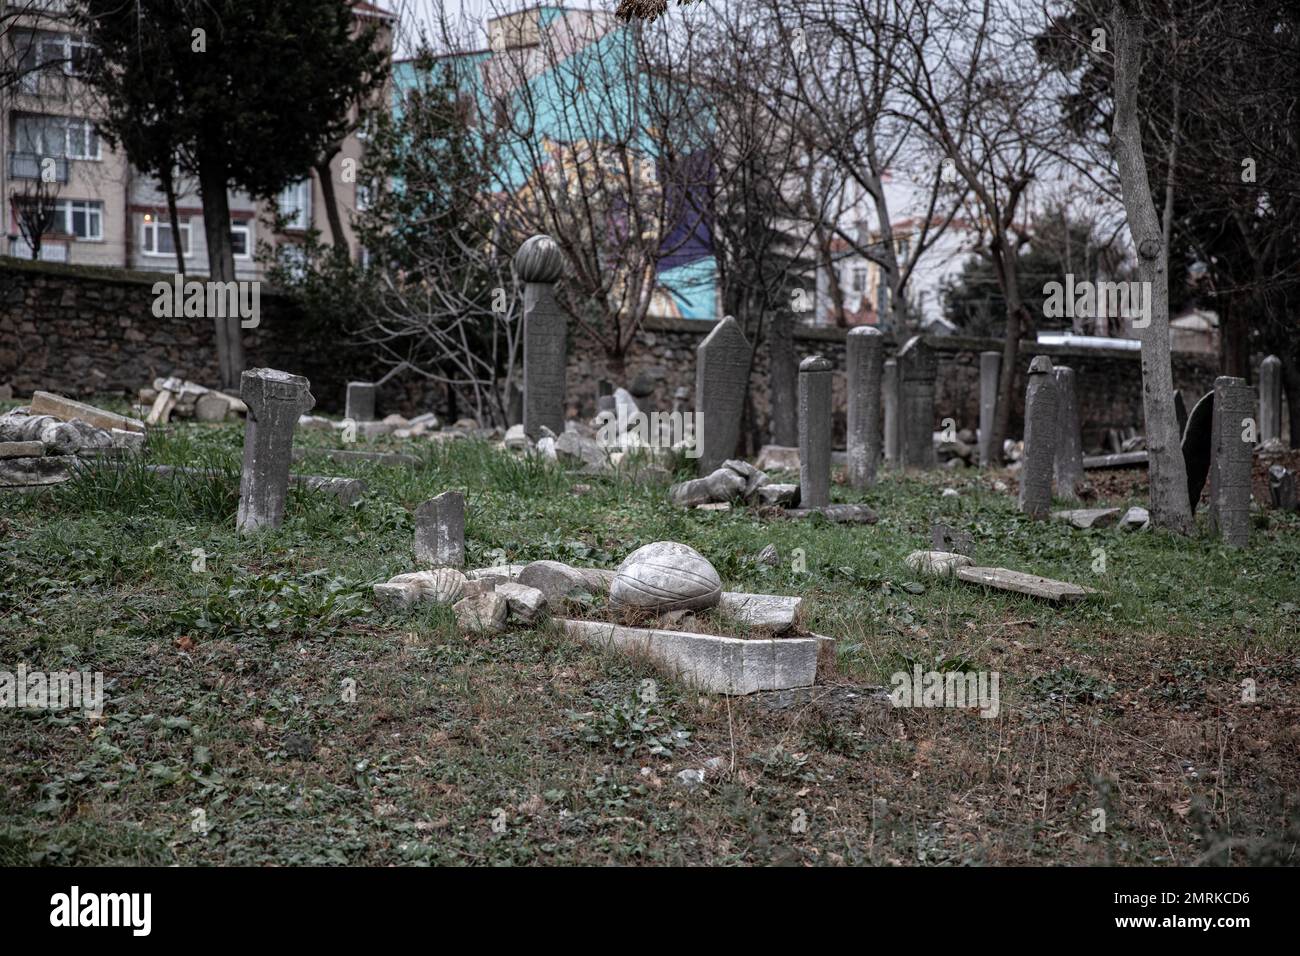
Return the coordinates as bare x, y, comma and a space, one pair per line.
28, 166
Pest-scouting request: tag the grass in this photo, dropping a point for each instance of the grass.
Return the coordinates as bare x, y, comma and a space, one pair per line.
261, 709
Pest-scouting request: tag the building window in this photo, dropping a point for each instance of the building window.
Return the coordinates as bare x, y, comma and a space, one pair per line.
61, 137
295, 205
156, 236
860, 279
241, 238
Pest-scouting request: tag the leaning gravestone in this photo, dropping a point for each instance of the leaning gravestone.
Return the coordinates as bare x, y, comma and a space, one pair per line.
1040, 439
1270, 398
1197, 445
1231, 460
1180, 413
917, 369
1282, 488
440, 530
990, 369
721, 378
275, 401
814, 432
539, 263
1068, 465
863, 354
889, 401
361, 401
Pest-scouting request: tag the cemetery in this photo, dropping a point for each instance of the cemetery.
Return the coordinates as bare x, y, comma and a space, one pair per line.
361, 639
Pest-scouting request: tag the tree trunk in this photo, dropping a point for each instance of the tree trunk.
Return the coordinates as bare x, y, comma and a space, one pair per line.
331, 204
221, 264
169, 188
1291, 386
782, 380
1167, 471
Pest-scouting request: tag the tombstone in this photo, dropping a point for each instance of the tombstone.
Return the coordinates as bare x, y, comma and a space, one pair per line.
1180, 413
917, 369
1282, 488
945, 538
1039, 458
275, 401
605, 396
1196, 447
721, 380
1231, 460
889, 400
1270, 399
864, 354
990, 369
361, 401
539, 263
814, 432
1068, 464
440, 531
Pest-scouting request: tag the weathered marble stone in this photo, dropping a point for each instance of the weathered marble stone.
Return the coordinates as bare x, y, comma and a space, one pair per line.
1198, 444
815, 431
917, 370
346, 490
665, 576
275, 401
348, 456
539, 264
936, 564
516, 438
47, 403
721, 380
484, 613
1068, 463
440, 586
396, 595
754, 479
1135, 518
1085, 518
990, 369
360, 405
576, 450
554, 579
440, 530
864, 359
499, 573
949, 539
21, 449
778, 458
889, 399
211, 407
58, 437
1003, 579
1270, 399
776, 611
1040, 439
840, 514
1231, 461
526, 604
34, 472
784, 495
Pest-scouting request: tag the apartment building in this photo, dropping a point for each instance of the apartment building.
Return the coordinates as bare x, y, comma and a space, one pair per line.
105, 212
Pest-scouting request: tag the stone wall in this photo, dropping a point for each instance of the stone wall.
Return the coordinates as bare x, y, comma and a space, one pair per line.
81, 331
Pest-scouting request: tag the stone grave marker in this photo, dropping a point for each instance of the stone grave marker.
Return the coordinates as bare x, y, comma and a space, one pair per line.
917, 370
1039, 457
864, 356
889, 402
1068, 463
945, 538
990, 369
1270, 398
361, 401
539, 263
1231, 460
275, 401
440, 530
815, 432
721, 378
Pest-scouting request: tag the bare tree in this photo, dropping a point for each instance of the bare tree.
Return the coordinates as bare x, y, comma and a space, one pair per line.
36, 206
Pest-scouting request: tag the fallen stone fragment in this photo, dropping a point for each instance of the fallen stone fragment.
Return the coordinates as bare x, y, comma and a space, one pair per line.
1085, 518
776, 611
161, 410
439, 586
516, 438
22, 449
714, 506
722, 665
596, 580
572, 448
783, 495
937, 564
778, 458
35, 472
349, 456
769, 556
1031, 584
396, 595
47, 403
946, 538
665, 576
1129, 459
525, 603
554, 579
346, 490
1135, 517
691, 778
754, 478
1282, 488
499, 573
58, 437
840, 514
482, 612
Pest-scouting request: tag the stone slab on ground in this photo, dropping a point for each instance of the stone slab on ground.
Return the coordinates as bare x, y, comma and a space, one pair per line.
347, 456
47, 403
35, 472
499, 573
22, 449
1127, 459
840, 514
720, 665
777, 611
1085, 518
1031, 584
